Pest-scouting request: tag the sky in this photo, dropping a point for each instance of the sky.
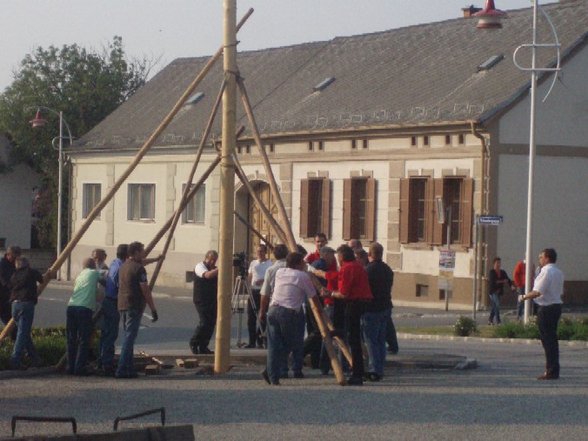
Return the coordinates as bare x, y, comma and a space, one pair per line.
163, 30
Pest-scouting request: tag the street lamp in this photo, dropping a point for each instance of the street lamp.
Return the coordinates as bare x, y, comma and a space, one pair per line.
490, 12
39, 121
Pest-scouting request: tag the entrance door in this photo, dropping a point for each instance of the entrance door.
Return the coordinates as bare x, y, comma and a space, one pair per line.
256, 217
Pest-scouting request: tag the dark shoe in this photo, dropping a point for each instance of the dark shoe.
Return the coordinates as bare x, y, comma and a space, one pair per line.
265, 376
372, 376
355, 381
106, 372
324, 372
284, 375
130, 375
194, 350
392, 351
250, 346
205, 351
548, 376
298, 374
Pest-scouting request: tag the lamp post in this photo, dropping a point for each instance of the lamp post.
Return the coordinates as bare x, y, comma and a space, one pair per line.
494, 15
39, 121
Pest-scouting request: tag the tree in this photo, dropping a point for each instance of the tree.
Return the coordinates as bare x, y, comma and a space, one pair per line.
85, 85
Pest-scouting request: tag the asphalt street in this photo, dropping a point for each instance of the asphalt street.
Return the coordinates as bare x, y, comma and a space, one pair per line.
500, 399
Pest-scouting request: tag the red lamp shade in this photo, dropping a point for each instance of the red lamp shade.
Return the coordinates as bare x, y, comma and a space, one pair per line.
38, 120
490, 17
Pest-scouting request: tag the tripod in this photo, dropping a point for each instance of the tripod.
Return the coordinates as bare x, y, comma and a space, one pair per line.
241, 295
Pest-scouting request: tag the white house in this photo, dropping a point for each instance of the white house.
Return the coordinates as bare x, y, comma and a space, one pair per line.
364, 133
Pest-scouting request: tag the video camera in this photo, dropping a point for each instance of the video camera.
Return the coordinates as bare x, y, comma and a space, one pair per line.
240, 263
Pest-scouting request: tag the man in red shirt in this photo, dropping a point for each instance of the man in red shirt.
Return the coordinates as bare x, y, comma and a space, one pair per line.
320, 241
354, 289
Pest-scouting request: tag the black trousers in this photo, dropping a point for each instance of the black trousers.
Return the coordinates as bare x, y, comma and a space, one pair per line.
547, 320
391, 337
353, 312
207, 322
254, 332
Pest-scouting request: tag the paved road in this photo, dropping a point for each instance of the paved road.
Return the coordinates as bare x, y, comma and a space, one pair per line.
499, 400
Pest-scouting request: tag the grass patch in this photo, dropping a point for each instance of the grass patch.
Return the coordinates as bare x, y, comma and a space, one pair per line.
50, 344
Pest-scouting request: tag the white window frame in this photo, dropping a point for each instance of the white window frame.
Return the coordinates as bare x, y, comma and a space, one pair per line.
195, 211
135, 201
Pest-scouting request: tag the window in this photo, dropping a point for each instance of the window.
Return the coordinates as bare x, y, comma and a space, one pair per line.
141, 202
90, 198
418, 215
359, 208
422, 290
315, 207
195, 210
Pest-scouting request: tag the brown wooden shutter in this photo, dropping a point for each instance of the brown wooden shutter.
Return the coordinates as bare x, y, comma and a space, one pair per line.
404, 228
347, 209
466, 211
326, 208
304, 208
435, 227
370, 207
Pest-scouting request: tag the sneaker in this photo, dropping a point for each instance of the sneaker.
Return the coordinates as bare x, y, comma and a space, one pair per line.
372, 376
205, 351
298, 374
250, 346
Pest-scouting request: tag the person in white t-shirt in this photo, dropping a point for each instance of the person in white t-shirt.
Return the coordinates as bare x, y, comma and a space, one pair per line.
257, 270
547, 292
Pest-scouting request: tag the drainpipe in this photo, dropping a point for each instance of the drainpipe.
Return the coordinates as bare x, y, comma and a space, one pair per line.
479, 255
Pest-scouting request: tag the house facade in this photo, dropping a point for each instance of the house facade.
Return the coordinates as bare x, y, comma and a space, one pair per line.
372, 137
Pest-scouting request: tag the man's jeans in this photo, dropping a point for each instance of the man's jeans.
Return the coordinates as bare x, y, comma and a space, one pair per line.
283, 337
23, 314
374, 326
79, 329
494, 308
109, 332
131, 319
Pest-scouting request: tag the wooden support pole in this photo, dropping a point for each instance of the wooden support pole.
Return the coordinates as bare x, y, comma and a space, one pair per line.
268, 169
253, 230
178, 213
140, 154
227, 192
265, 211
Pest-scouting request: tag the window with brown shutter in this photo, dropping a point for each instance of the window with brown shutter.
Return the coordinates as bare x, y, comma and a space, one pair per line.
359, 208
315, 207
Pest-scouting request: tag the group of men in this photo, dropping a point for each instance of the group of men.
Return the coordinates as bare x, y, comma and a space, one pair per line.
356, 295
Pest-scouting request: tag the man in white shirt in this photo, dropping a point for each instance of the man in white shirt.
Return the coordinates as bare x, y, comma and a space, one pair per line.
257, 270
285, 318
547, 292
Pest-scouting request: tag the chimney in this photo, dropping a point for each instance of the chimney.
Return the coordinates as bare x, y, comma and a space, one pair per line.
469, 11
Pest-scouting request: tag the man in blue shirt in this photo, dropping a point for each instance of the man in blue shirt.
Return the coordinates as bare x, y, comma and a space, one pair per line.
110, 314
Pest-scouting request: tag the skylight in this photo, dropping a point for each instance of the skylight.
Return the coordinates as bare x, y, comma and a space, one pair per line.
491, 62
323, 84
194, 98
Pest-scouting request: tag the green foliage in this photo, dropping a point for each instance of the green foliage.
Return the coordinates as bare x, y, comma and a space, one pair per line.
86, 86
568, 329
465, 326
49, 342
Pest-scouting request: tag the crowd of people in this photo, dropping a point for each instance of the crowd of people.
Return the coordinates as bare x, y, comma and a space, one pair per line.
352, 285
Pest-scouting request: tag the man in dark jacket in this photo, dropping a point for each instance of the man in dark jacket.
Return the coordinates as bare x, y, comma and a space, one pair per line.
6, 271
23, 295
375, 319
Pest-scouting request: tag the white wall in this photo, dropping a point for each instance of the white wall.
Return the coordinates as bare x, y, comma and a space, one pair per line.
563, 118
560, 213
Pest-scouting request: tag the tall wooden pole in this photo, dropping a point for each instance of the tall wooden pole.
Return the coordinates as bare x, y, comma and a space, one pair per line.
227, 191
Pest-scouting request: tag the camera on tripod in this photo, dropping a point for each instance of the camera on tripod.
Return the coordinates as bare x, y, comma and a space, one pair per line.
240, 263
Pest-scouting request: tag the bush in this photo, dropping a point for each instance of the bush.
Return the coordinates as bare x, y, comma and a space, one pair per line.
465, 326
566, 329
517, 330
49, 342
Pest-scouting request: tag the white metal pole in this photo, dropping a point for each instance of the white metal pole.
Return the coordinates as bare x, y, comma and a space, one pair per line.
59, 189
529, 243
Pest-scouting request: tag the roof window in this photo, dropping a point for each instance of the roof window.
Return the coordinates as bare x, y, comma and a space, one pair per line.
323, 84
491, 62
194, 98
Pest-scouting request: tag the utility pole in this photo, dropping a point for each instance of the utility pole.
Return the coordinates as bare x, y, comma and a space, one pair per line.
227, 190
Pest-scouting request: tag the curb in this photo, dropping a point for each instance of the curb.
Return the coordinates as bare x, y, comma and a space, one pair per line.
522, 341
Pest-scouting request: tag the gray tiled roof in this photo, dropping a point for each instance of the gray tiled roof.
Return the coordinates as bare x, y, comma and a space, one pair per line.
418, 75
